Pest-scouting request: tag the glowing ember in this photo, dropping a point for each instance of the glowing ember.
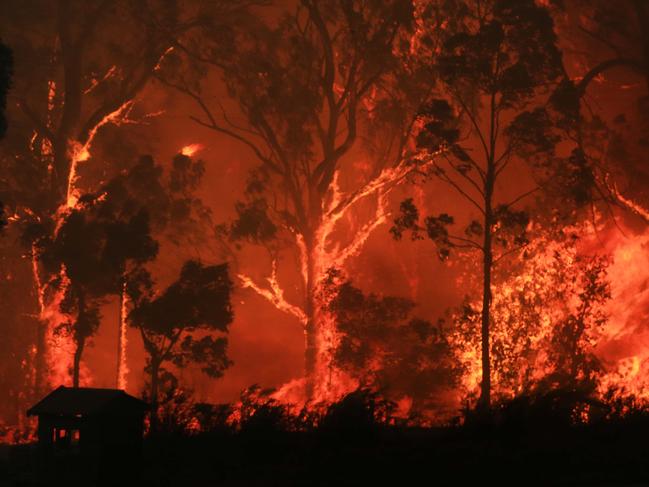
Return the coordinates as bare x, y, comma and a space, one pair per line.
631, 205
191, 149
122, 342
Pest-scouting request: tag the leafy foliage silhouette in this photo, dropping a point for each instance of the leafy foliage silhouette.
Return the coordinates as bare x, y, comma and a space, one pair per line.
178, 325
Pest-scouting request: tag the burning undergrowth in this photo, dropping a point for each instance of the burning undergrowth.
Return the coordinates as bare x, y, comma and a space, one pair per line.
561, 322
555, 348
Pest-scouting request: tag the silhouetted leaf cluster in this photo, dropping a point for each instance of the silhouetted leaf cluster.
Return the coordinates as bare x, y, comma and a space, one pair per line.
178, 324
384, 347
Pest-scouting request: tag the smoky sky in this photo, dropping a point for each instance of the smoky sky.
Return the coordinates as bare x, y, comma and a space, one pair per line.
265, 344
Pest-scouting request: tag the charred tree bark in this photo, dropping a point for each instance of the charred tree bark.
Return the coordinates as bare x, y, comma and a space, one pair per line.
484, 401
41, 331
76, 364
39, 359
155, 383
307, 181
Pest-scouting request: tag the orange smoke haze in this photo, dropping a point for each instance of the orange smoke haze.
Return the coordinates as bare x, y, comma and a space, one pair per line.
266, 338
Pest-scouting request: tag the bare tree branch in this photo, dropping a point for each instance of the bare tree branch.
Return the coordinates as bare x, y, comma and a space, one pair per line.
444, 177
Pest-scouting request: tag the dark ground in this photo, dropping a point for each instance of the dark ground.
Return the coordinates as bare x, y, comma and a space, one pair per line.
528, 441
602, 455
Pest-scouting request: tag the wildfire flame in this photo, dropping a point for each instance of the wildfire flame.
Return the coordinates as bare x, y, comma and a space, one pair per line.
274, 294
622, 346
122, 362
191, 149
81, 152
328, 253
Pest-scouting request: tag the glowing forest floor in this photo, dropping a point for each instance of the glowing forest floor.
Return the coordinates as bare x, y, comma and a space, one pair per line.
612, 453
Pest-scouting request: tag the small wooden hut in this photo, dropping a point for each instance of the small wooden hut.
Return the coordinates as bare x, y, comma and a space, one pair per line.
93, 423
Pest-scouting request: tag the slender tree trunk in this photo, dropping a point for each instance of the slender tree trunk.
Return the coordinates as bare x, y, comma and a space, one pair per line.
310, 328
39, 358
484, 401
155, 371
120, 378
487, 263
41, 330
76, 365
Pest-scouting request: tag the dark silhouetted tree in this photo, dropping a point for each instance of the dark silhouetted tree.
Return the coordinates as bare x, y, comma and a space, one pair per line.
176, 215
496, 70
305, 87
386, 349
96, 242
178, 325
111, 233
607, 42
80, 68
80, 65
73, 76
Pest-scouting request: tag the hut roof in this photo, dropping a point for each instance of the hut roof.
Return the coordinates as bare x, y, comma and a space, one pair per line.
73, 401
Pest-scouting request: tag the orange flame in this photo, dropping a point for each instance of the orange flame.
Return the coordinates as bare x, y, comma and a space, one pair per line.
191, 149
622, 343
327, 253
122, 363
625, 342
274, 294
81, 152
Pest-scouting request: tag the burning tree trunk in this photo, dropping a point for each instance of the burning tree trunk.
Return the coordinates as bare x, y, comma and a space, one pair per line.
67, 114
319, 252
310, 325
302, 102
487, 122
122, 368
39, 357
487, 265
